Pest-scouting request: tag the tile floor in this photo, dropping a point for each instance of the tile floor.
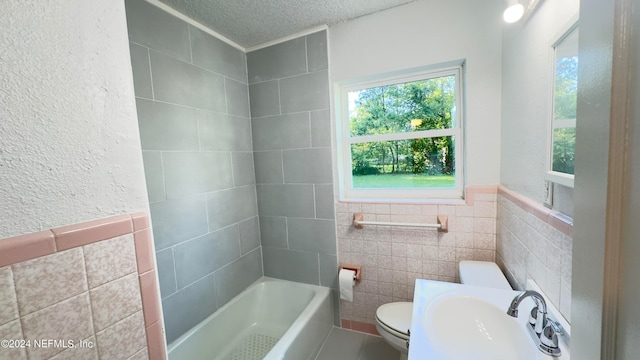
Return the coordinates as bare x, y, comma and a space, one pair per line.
344, 344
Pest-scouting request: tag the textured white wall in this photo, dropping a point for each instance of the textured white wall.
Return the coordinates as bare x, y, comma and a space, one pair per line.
526, 94
69, 144
432, 32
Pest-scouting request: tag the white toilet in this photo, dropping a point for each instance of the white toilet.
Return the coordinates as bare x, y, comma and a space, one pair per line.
393, 320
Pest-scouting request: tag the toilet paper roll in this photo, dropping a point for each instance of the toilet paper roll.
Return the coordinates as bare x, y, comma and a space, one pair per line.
346, 278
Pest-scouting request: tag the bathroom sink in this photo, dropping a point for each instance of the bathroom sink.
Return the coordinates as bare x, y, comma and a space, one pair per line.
465, 327
461, 322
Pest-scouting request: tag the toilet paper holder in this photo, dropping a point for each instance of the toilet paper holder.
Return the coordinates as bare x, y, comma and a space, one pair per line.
356, 268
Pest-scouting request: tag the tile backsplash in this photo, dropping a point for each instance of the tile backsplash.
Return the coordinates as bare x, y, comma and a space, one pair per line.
534, 242
392, 258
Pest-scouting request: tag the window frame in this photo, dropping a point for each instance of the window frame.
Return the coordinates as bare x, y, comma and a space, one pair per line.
558, 177
344, 139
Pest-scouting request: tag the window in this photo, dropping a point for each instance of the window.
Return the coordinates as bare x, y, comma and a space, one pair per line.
563, 118
400, 137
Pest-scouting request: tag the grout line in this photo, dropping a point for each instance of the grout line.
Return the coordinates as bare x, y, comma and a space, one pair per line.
286, 230
190, 43
279, 99
226, 98
306, 54
153, 94
233, 177
164, 182
289, 76
172, 57
175, 274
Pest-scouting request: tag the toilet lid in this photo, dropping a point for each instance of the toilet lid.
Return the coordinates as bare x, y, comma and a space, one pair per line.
396, 315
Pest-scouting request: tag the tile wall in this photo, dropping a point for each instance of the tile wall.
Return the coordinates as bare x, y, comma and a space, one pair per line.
392, 258
193, 111
289, 88
93, 284
535, 242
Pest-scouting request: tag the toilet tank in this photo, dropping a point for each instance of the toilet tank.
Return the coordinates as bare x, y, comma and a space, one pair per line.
483, 273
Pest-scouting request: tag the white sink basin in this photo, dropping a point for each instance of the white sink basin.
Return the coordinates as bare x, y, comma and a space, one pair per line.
465, 327
462, 322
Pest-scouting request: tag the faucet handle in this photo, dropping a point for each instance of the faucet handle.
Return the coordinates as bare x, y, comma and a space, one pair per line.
557, 328
549, 337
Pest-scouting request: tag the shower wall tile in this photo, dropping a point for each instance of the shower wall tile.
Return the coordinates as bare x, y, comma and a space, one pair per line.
268, 167
249, 232
222, 132
237, 98
300, 266
166, 127
273, 231
290, 131
185, 309
324, 201
141, 71
277, 61
317, 57
314, 235
286, 200
289, 93
188, 173
178, 82
115, 301
166, 272
308, 166
177, 220
42, 282
200, 175
237, 276
154, 175
243, 172
216, 55
329, 270
320, 128
155, 28
305, 92
231, 206
265, 99
201, 256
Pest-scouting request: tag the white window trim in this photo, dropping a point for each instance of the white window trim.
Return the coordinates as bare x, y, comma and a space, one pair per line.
551, 175
344, 141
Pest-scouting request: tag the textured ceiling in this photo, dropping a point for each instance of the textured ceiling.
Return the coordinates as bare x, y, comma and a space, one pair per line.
252, 22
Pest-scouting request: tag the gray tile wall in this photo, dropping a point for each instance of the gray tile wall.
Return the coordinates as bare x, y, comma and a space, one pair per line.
289, 92
193, 110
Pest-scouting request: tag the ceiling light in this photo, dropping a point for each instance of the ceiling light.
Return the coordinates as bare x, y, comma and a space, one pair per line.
514, 12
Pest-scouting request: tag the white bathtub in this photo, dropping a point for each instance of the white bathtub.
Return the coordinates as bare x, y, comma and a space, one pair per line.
271, 320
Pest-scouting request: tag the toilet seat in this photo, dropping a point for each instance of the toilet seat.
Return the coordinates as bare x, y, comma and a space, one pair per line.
395, 318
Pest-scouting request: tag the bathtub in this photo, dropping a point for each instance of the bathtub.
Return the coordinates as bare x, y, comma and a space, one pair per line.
272, 319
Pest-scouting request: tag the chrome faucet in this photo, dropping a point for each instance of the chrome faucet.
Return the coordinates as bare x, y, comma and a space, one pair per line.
543, 331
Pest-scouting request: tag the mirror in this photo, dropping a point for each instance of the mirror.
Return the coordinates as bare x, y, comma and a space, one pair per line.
563, 117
